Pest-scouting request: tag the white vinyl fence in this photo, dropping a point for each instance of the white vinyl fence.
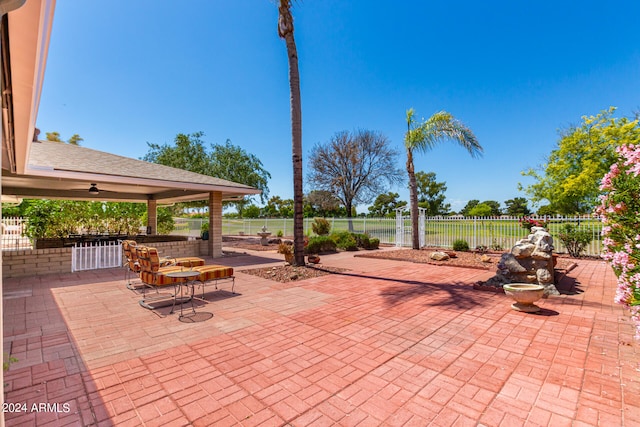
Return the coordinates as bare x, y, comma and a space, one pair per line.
13, 237
498, 233
93, 256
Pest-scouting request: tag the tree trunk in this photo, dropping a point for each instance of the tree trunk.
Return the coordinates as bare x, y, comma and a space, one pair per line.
349, 206
296, 144
413, 198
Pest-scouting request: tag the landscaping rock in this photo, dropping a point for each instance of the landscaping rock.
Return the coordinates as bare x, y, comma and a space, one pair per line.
439, 256
530, 261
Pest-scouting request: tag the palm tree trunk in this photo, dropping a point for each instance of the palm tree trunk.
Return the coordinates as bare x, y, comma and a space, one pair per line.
285, 27
413, 198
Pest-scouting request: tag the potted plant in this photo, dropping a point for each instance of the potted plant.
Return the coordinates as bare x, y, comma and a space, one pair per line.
287, 250
204, 231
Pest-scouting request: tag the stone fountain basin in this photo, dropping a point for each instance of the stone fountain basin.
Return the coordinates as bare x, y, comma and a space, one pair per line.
524, 294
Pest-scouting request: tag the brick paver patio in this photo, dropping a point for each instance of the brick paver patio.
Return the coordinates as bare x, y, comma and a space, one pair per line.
385, 343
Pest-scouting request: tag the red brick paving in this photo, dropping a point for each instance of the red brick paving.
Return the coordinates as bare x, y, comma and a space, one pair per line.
386, 343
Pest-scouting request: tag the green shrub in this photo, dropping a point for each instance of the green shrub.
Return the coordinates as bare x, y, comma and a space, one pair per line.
362, 240
374, 243
321, 226
460, 245
574, 239
320, 244
349, 244
345, 241
279, 233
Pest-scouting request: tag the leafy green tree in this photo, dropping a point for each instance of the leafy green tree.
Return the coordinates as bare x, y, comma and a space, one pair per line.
227, 161
55, 218
321, 203
164, 217
546, 210
272, 208
286, 208
481, 209
188, 152
277, 207
354, 166
431, 194
75, 139
570, 179
233, 163
285, 31
125, 217
470, 205
423, 137
59, 218
386, 204
251, 211
518, 206
55, 137
496, 210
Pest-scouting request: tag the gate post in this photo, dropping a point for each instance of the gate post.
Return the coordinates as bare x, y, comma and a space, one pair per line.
421, 225
399, 228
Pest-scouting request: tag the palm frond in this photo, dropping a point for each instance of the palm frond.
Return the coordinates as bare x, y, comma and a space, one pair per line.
439, 127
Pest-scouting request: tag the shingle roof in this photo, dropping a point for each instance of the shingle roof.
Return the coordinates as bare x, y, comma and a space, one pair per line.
73, 158
62, 171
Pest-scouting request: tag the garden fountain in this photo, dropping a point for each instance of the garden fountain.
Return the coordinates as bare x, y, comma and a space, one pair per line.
263, 236
530, 261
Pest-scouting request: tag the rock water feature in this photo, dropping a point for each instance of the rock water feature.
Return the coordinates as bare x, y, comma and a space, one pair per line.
530, 261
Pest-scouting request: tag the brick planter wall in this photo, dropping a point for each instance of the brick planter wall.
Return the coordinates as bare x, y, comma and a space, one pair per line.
36, 262
58, 260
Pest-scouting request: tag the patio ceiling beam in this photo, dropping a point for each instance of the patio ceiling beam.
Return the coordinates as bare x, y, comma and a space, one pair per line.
162, 197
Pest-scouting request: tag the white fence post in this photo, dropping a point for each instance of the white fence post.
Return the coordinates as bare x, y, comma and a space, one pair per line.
399, 228
421, 225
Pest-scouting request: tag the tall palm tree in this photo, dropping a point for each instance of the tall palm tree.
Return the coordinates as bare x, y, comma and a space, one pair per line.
285, 31
422, 137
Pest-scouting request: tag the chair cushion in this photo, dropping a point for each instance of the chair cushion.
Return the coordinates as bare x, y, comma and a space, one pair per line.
159, 278
211, 272
186, 261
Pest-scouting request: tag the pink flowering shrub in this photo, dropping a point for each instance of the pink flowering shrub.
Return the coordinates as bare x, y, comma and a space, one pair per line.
620, 213
529, 223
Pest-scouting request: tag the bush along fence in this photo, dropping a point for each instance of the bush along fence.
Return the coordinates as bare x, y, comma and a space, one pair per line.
13, 234
495, 233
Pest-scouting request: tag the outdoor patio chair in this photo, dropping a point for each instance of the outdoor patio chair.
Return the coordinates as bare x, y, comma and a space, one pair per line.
131, 262
153, 273
130, 249
154, 276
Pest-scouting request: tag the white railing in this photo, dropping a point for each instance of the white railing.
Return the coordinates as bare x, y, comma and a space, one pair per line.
93, 256
499, 233
13, 234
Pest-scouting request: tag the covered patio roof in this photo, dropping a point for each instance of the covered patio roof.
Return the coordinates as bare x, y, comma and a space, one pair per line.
57, 170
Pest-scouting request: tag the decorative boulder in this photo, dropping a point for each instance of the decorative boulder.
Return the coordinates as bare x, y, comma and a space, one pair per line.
530, 261
523, 249
439, 256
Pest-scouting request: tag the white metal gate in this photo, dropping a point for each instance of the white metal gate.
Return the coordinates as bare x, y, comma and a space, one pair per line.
92, 256
404, 233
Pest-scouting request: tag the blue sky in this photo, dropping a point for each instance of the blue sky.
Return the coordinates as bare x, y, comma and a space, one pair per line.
124, 73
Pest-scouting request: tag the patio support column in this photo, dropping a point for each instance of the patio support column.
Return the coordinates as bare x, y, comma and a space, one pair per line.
152, 217
214, 245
